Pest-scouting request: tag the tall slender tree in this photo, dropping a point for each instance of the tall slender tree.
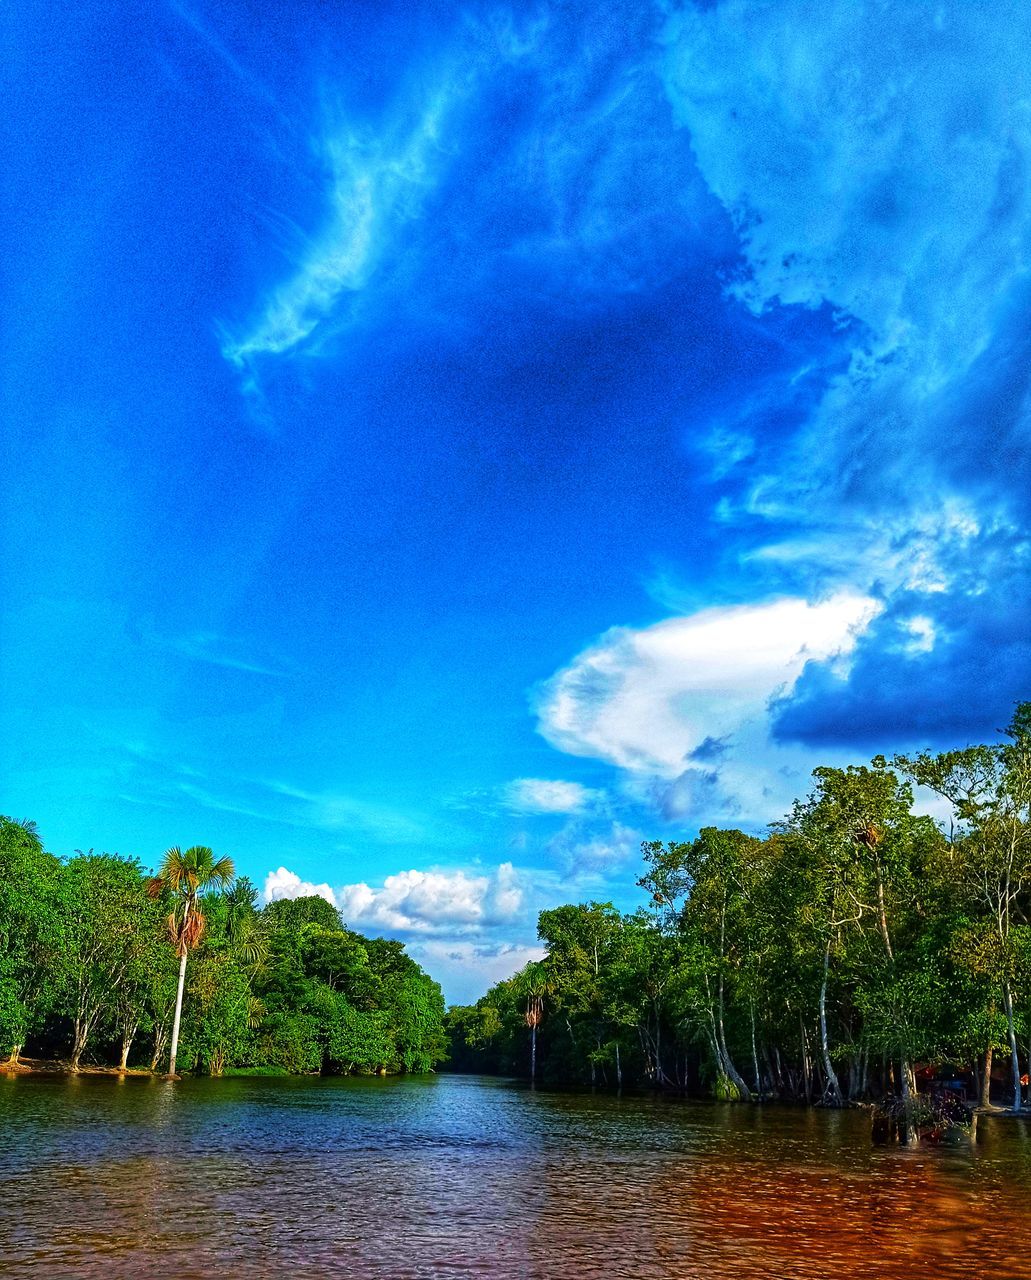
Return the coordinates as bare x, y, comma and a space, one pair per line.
186, 876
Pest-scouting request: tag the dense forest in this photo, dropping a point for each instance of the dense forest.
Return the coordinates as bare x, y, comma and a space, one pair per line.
855, 947
94, 952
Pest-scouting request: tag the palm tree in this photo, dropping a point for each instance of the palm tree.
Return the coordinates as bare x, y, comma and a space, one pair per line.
187, 875
532, 983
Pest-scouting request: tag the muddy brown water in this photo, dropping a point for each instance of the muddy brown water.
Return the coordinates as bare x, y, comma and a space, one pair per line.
465, 1176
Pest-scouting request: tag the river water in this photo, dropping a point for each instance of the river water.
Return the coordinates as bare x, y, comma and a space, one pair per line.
466, 1176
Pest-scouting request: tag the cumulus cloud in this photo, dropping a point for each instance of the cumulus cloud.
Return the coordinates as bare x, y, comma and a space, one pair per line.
418, 902
282, 883
467, 928
540, 795
684, 705
646, 699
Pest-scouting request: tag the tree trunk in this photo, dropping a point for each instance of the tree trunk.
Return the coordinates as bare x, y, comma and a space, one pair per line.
533, 1054
910, 1133
1007, 996
732, 1072
126, 1046
15, 1055
619, 1069
78, 1042
160, 1036
806, 1074
779, 1076
755, 1055
882, 915
985, 1099
178, 1015
834, 1088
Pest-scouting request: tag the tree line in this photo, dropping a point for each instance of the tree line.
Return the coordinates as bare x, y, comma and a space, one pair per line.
103, 962
855, 945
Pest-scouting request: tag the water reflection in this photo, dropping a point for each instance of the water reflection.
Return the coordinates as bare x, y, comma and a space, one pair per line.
452, 1176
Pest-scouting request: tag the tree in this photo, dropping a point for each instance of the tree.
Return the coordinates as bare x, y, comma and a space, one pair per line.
532, 983
107, 919
185, 876
865, 848
31, 932
989, 790
714, 873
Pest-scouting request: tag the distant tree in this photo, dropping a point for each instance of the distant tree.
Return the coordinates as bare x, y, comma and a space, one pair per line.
292, 913
989, 790
31, 932
186, 876
107, 937
533, 986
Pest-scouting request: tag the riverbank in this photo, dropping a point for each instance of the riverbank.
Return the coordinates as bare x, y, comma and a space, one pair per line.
52, 1067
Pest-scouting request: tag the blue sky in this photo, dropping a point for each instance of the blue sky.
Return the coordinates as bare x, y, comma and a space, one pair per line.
445, 446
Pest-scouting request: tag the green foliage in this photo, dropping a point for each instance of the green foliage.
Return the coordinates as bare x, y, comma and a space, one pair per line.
90, 954
294, 913
31, 932
822, 962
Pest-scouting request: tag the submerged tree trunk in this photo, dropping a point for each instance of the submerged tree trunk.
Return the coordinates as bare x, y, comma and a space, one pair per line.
806, 1072
779, 1069
178, 1015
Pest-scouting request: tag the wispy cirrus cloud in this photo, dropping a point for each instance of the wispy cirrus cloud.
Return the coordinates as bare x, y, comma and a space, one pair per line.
428, 191
376, 181
219, 650
588, 853
542, 795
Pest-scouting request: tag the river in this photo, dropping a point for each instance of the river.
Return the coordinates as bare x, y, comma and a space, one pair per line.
467, 1176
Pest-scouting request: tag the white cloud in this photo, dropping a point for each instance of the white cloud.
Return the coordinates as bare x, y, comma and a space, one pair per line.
282, 883
645, 700
416, 901
468, 929
377, 183
837, 146
683, 706
539, 795
922, 634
